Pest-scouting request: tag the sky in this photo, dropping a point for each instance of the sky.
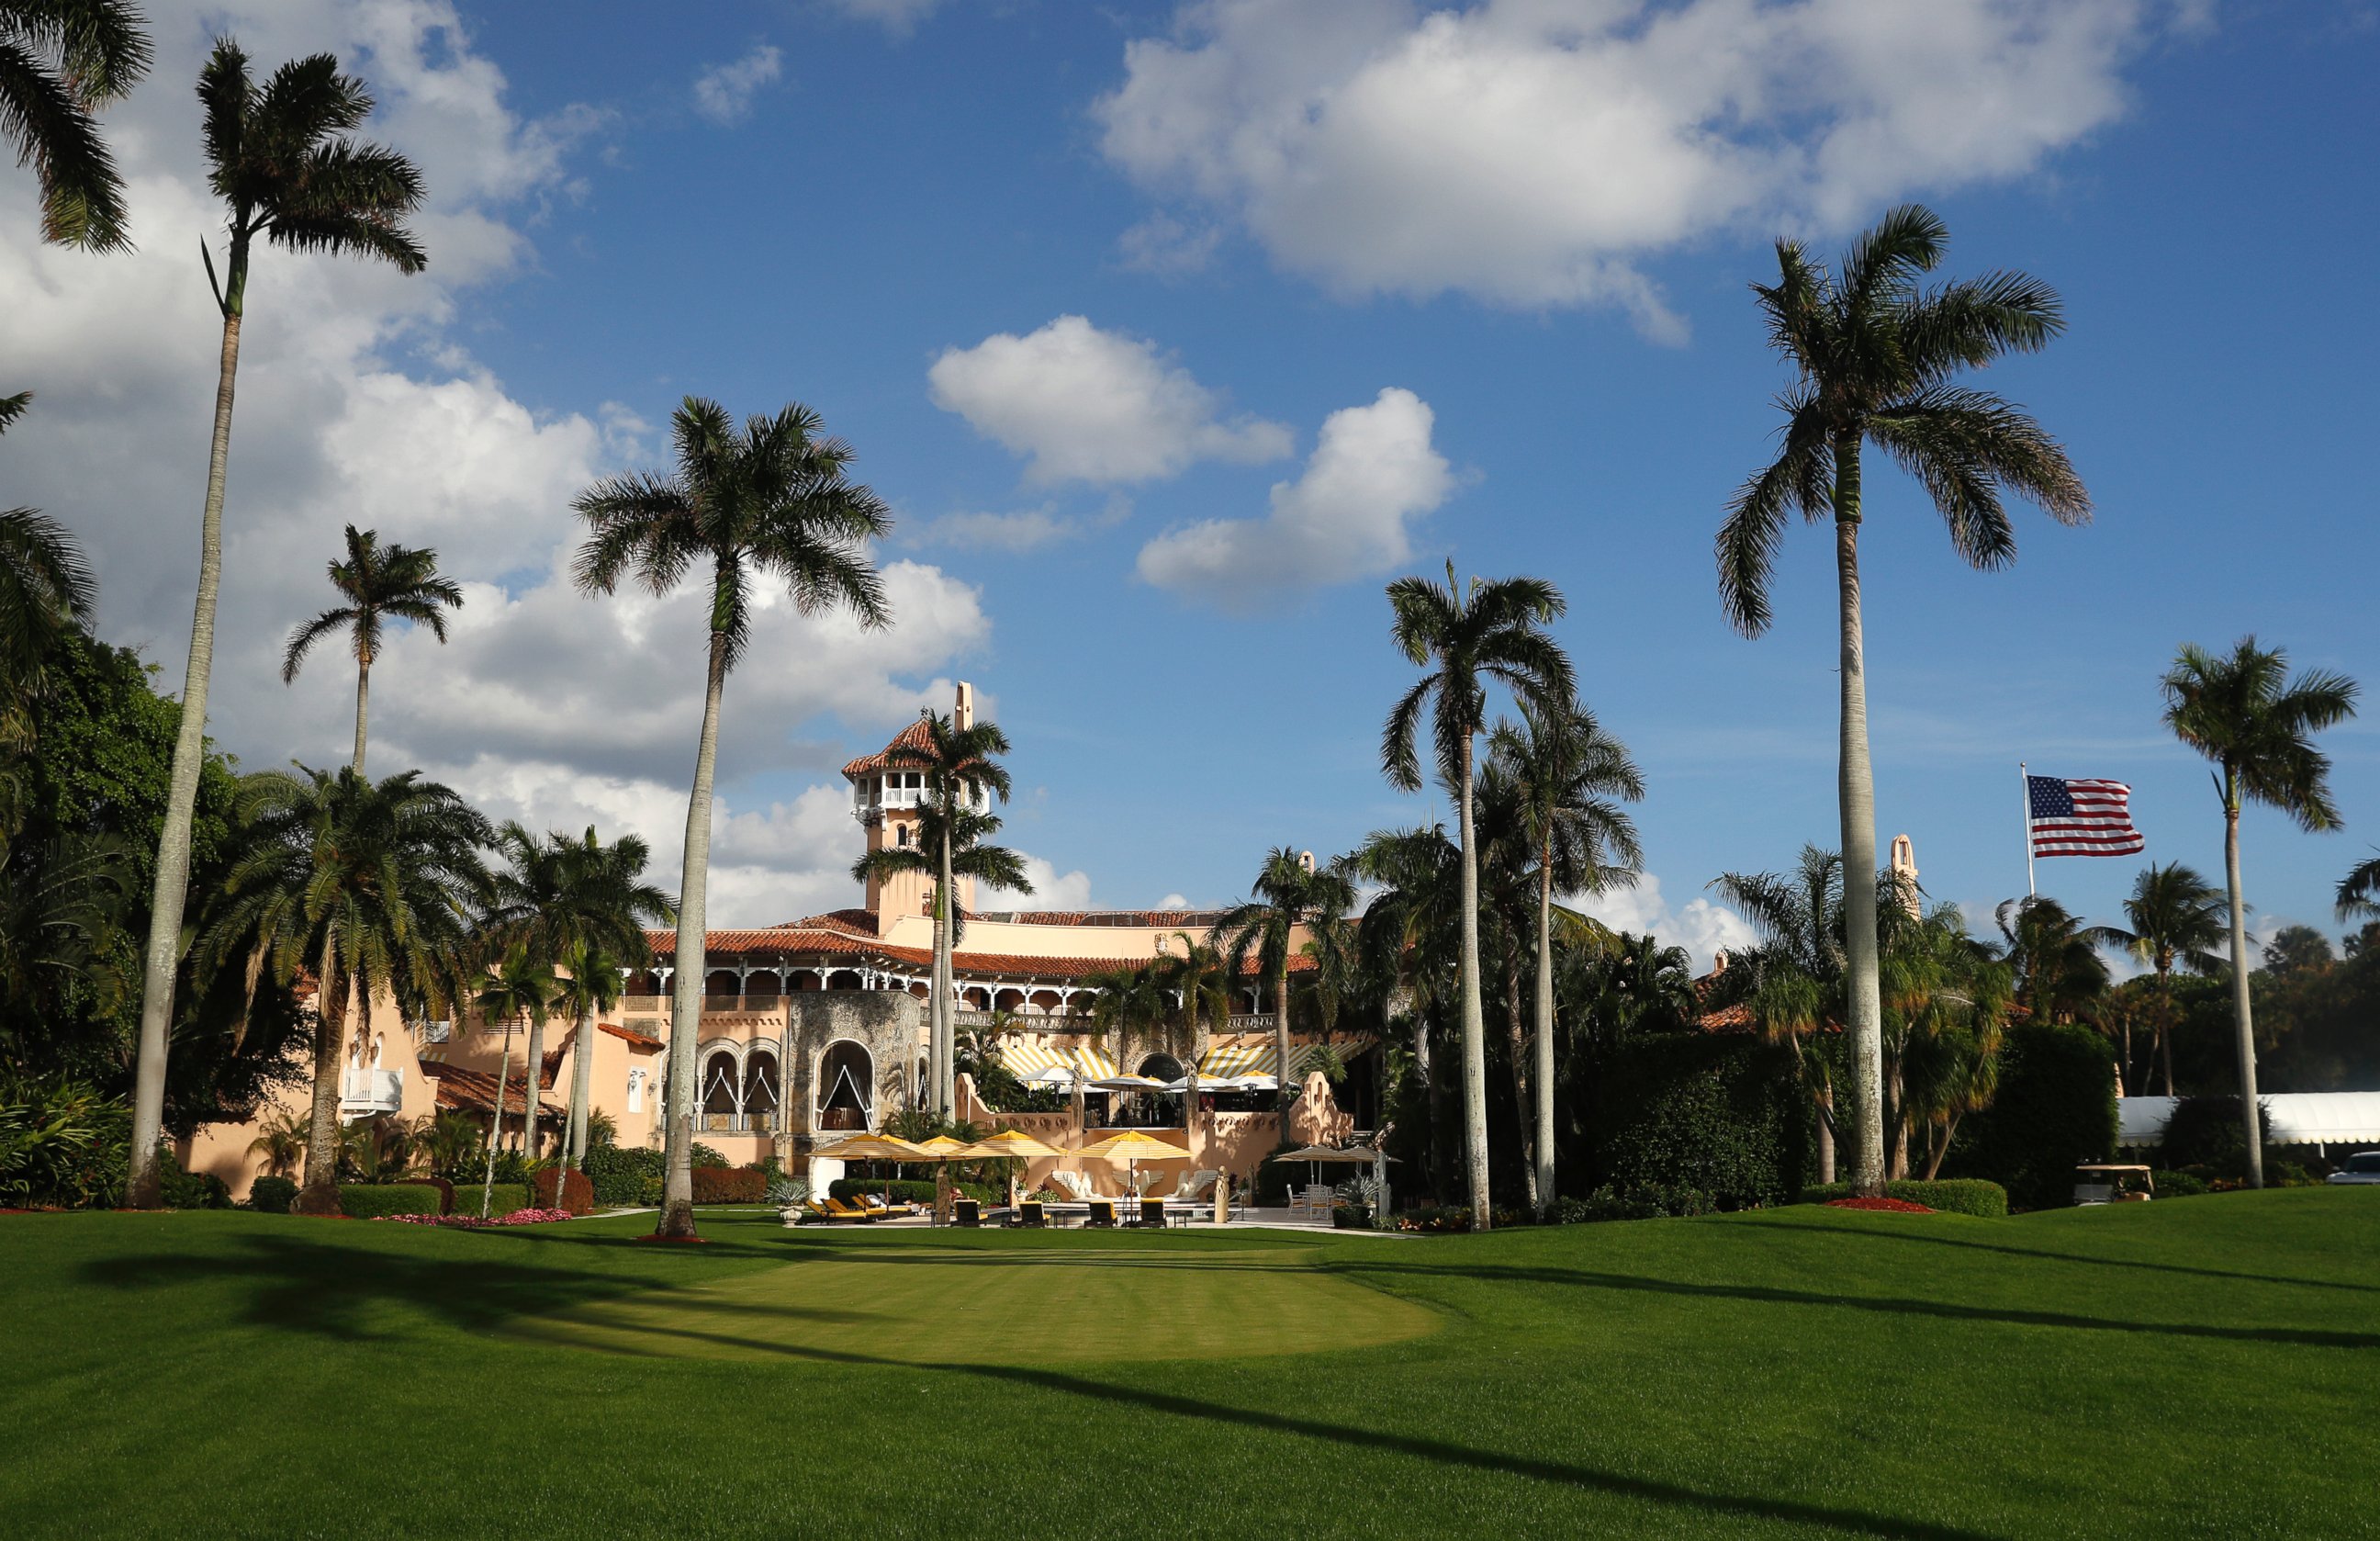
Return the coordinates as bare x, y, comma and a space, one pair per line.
1172, 333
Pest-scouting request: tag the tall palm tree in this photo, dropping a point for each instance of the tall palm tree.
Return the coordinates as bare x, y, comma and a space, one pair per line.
60, 62
1875, 356
1200, 978
1131, 1010
1571, 776
1493, 631
953, 840
2244, 711
522, 988
46, 587
370, 885
1791, 982
555, 897
281, 159
772, 500
2059, 974
380, 583
593, 987
2177, 918
2359, 891
1256, 938
960, 772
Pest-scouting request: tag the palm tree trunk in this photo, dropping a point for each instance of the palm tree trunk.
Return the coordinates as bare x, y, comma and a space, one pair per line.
582, 1076
1474, 1026
685, 1006
1282, 1081
161, 958
1825, 1099
496, 1130
321, 1195
363, 711
1857, 796
2163, 1049
534, 1066
1517, 1050
2241, 1016
943, 1029
1545, 1026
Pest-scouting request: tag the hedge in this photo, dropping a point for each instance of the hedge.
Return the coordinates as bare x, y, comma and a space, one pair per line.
2054, 1110
910, 1191
729, 1185
372, 1200
270, 1195
446, 1191
1952, 1195
1689, 1111
578, 1193
504, 1198
620, 1172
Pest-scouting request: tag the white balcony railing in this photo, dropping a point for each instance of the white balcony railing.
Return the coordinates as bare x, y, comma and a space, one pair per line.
365, 1092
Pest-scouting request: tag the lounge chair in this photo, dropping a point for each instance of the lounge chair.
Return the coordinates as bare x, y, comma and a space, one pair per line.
1103, 1213
1029, 1212
966, 1211
1152, 1212
842, 1209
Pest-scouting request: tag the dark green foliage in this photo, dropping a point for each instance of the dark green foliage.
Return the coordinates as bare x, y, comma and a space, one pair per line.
503, 1199
2178, 1184
620, 1173
372, 1200
1720, 1116
703, 1156
511, 1167
2056, 1108
2209, 1132
1951, 1196
61, 1144
191, 1190
270, 1195
446, 1191
1638, 1201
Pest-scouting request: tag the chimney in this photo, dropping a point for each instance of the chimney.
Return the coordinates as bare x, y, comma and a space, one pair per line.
963, 708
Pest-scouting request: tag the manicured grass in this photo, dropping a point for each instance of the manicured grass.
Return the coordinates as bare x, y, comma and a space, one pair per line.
2203, 1367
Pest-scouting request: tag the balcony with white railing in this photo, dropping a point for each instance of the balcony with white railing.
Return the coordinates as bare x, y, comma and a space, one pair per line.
363, 1093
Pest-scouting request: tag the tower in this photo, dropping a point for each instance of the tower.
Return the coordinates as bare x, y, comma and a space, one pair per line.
1904, 873
887, 800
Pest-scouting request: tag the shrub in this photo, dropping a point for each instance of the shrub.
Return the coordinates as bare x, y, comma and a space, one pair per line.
703, 1156
1952, 1195
511, 1167
729, 1185
2056, 1109
270, 1195
446, 1191
190, 1190
1720, 1117
373, 1200
619, 1173
2178, 1184
577, 1192
1642, 1201
62, 1143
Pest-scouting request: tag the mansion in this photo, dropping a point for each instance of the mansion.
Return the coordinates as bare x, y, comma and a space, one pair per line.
815, 1029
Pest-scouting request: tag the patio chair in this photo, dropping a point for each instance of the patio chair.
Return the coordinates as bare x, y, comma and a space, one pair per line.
966, 1211
1103, 1212
1152, 1212
1029, 1212
842, 1209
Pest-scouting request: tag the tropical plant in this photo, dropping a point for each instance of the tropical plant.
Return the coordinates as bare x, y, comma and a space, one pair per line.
2177, 918
579, 904
450, 1142
281, 1140
60, 62
1875, 357
45, 589
1946, 1003
1571, 777
590, 986
962, 777
2059, 974
380, 584
522, 988
370, 886
1259, 937
280, 158
1132, 1010
774, 500
1494, 632
1201, 980
2359, 891
2244, 711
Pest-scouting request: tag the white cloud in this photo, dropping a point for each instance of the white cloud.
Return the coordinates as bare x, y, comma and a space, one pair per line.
899, 18
723, 92
1533, 153
1092, 405
1163, 245
1051, 891
1701, 927
358, 403
1027, 531
1348, 515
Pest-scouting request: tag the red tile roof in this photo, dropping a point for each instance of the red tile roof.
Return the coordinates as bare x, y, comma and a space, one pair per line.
915, 736
475, 1090
552, 1065
837, 944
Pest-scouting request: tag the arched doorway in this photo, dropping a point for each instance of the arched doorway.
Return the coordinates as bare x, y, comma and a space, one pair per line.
847, 1086
722, 1089
763, 1084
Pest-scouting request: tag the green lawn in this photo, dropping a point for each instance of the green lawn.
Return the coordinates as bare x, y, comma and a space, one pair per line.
2199, 1368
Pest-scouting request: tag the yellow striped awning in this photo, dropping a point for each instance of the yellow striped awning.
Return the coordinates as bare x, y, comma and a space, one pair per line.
1252, 1055
1090, 1062
1096, 1064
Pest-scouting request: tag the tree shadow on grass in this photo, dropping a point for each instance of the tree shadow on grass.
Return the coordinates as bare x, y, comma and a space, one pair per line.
1891, 1304
318, 1287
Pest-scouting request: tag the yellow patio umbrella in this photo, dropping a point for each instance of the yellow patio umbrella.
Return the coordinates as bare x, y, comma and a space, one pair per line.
942, 1150
872, 1148
1012, 1144
1132, 1148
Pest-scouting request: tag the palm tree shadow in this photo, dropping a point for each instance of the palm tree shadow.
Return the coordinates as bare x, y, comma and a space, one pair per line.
1863, 1233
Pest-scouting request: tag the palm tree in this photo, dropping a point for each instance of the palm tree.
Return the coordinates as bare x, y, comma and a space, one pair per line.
2244, 711
592, 987
1875, 356
1493, 631
281, 1140
370, 885
774, 500
2359, 891
1255, 938
560, 900
1571, 776
379, 582
2177, 918
45, 587
1791, 983
521, 990
1131, 1008
281, 159
449, 1144
960, 773
2060, 975
1200, 980
61, 60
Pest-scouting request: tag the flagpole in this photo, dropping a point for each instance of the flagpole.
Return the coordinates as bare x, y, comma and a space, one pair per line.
2025, 782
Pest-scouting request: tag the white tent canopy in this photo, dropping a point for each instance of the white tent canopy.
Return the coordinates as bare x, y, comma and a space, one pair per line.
2291, 1118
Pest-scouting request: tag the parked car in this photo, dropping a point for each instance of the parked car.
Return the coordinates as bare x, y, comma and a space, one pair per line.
2361, 1166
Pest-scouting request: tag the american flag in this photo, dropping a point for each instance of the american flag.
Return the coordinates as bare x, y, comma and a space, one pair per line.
2081, 818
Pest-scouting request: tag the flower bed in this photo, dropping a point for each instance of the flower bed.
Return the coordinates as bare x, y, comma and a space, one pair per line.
473, 1222
1891, 1206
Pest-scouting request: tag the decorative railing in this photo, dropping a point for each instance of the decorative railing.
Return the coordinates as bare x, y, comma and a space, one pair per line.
1255, 1021
841, 1120
739, 1123
372, 1091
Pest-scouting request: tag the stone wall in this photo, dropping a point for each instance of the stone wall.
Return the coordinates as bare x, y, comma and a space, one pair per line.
889, 1024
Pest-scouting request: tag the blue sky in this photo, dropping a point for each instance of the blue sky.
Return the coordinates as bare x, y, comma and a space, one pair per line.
1264, 227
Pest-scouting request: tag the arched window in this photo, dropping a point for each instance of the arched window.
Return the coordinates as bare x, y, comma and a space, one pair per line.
846, 1086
